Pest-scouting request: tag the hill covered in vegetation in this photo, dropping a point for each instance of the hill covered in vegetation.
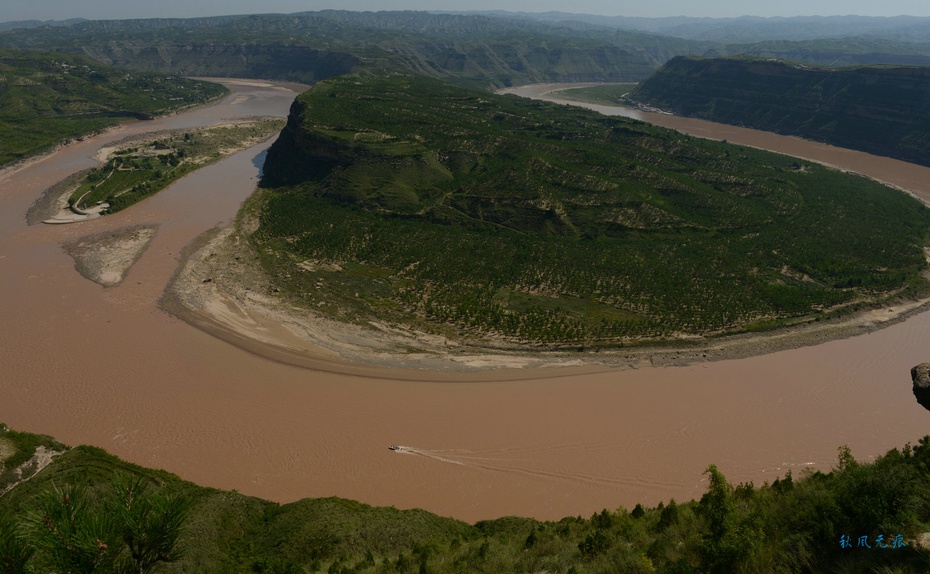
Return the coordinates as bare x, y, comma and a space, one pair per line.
793, 525
883, 110
49, 97
414, 201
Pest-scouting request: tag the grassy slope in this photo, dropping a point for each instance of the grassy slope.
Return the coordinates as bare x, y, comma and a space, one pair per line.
486, 214
46, 98
790, 526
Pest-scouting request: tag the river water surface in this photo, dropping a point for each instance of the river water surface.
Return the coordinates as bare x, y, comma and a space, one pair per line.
107, 367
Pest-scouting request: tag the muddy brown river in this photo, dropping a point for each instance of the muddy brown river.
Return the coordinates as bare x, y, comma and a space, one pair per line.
107, 367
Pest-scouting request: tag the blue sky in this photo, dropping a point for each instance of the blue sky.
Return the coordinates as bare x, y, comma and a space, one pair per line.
99, 9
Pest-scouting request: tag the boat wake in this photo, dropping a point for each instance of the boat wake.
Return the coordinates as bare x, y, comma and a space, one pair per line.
508, 461
425, 453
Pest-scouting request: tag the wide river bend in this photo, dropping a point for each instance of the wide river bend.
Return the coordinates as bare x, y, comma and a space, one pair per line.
105, 366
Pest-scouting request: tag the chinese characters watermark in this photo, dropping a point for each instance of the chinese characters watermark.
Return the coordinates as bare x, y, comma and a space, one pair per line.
878, 542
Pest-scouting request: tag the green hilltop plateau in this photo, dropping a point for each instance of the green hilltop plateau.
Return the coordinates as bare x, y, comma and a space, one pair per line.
520, 222
88, 511
884, 110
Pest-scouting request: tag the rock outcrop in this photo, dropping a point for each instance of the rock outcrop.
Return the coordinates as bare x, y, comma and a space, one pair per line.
921, 377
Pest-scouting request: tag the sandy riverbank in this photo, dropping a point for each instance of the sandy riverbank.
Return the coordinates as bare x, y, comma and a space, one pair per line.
220, 287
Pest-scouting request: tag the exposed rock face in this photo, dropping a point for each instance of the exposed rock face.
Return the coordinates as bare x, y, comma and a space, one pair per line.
921, 377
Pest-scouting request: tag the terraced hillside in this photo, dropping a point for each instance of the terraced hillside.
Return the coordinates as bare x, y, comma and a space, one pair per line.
883, 110
513, 221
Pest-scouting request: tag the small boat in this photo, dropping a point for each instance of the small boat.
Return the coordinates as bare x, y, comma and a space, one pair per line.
393, 447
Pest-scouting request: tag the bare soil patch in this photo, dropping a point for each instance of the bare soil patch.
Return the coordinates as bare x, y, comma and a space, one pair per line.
40, 459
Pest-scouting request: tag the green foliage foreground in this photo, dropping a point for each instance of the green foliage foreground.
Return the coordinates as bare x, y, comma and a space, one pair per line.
414, 201
91, 512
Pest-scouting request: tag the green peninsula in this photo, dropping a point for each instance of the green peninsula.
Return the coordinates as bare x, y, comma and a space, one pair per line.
517, 222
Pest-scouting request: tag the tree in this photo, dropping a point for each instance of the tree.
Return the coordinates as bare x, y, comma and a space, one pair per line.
719, 553
15, 553
131, 529
71, 538
732, 536
151, 523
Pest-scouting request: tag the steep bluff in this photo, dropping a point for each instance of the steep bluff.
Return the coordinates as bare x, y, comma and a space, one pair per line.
883, 110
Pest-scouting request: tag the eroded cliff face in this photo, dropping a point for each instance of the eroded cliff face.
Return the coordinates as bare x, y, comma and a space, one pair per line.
880, 110
299, 154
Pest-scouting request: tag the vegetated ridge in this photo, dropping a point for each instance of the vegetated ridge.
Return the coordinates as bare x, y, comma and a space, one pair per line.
49, 97
882, 110
409, 200
792, 525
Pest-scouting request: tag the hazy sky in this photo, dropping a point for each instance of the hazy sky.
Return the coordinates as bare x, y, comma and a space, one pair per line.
100, 9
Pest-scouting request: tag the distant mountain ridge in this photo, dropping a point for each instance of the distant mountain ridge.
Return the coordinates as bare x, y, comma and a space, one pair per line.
747, 28
19, 24
743, 29
477, 50
490, 49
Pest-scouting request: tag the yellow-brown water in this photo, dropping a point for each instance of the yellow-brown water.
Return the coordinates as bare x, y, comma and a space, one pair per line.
107, 367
